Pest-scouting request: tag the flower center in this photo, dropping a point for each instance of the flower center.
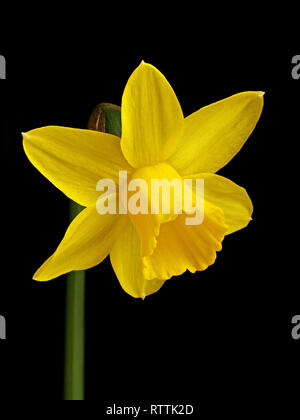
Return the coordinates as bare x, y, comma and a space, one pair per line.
156, 190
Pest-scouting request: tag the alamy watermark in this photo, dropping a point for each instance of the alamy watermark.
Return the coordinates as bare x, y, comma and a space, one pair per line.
2, 328
2, 67
296, 329
296, 67
175, 196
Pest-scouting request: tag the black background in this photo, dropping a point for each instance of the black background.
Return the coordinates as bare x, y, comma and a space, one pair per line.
223, 334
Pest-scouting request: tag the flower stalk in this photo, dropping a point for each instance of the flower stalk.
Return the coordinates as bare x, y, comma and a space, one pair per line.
106, 118
75, 330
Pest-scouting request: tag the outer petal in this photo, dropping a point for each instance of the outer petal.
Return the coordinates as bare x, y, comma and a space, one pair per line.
152, 118
126, 260
74, 160
230, 197
86, 243
181, 247
213, 135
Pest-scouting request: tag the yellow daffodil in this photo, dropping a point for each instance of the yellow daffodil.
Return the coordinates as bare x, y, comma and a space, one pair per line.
157, 141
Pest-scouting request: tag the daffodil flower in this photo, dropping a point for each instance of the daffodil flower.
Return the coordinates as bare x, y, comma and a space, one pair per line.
157, 141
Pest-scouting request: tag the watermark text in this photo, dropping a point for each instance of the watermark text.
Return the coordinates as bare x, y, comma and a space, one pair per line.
2, 67
2, 328
296, 329
296, 67
167, 197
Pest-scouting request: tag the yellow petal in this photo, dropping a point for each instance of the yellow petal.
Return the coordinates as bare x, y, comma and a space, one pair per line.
213, 135
152, 118
126, 260
230, 197
181, 247
74, 160
86, 243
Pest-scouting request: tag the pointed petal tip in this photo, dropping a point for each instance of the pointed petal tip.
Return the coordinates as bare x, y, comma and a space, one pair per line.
24, 135
36, 276
261, 93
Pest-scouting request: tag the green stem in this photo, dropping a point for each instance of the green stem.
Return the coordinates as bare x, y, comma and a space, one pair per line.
106, 118
75, 331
